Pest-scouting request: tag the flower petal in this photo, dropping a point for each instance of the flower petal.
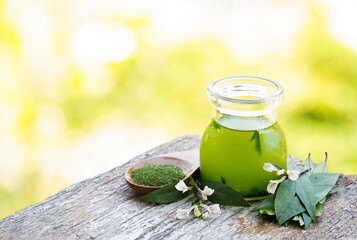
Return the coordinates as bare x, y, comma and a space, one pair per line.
269, 167
281, 179
293, 175
182, 213
206, 192
273, 184
181, 186
214, 210
271, 188
205, 215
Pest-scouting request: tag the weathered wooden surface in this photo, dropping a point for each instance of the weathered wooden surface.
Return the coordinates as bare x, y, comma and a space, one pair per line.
104, 207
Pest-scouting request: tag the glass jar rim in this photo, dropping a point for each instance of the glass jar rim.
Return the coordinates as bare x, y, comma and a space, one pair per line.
279, 91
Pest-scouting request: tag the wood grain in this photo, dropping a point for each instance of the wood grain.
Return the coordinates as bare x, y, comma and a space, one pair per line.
104, 207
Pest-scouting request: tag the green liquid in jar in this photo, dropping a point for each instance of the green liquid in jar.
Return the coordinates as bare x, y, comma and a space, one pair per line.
236, 149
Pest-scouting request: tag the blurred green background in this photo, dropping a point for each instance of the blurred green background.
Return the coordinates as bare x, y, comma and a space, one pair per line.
86, 85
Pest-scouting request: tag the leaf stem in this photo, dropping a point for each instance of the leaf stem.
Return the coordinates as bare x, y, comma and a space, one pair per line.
305, 171
323, 169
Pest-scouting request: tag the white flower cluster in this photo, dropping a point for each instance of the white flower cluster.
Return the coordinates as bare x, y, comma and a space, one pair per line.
212, 211
273, 184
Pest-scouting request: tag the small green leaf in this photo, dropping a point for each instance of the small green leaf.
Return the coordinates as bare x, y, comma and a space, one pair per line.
256, 137
225, 195
277, 166
307, 220
189, 199
167, 194
295, 207
268, 212
192, 181
287, 223
318, 212
284, 196
223, 180
266, 204
306, 193
299, 218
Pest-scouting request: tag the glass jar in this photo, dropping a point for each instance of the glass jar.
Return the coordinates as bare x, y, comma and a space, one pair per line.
243, 134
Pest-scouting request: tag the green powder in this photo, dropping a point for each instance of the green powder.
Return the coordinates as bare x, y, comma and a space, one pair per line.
157, 175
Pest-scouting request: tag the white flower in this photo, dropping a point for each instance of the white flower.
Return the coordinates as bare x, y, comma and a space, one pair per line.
269, 167
206, 192
205, 215
293, 175
213, 210
183, 213
281, 172
273, 184
181, 186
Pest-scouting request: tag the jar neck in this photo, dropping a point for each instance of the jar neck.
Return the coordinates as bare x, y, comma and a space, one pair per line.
244, 123
245, 96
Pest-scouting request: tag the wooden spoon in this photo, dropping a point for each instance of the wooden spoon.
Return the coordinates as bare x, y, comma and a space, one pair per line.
188, 161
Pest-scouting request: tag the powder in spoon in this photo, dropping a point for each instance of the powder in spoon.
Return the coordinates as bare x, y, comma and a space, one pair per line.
157, 175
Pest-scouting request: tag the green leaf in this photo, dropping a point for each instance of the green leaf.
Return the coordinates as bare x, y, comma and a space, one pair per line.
307, 220
295, 207
301, 220
336, 189
306, 193
268, 212
223, 180
256, 137
323, 183
277, 166
322, 200
284, 196
225, 195
291, 165
309, 164
266, 204
321, 168
189, 199
318, 212
192, 181
167, 194
324, 178
287, 223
